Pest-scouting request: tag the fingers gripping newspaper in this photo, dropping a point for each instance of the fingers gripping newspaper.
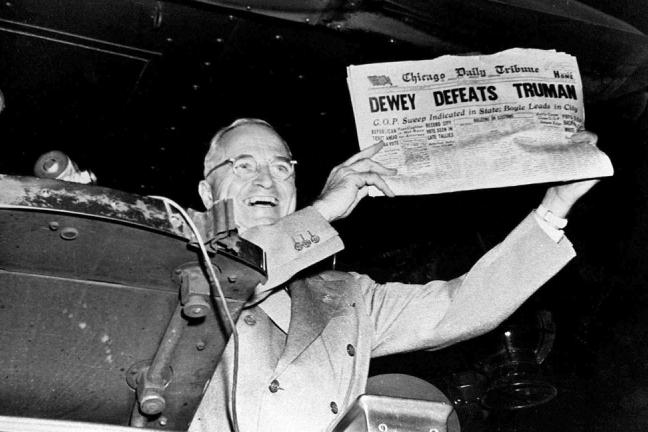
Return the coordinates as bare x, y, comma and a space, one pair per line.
473, 122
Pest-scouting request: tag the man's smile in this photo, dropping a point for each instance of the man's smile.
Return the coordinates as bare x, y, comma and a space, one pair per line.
261, 201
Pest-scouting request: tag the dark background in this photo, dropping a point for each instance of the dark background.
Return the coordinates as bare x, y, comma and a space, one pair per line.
134, 89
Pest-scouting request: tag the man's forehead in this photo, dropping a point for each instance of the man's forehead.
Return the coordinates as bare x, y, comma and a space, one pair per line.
251, 139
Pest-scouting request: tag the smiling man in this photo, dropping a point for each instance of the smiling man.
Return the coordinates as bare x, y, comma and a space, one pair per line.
252, 165
305, 344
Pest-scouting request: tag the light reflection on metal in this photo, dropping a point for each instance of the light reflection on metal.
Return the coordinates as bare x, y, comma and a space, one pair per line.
77, 41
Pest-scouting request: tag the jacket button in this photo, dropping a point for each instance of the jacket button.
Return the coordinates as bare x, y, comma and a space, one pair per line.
274, 386
249, 320
334, 408
314, 237
350, 350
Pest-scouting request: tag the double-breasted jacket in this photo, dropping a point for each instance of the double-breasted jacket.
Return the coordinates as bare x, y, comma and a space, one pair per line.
305, 350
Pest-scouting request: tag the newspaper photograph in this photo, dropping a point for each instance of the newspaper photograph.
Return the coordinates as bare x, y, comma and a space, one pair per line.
474, 122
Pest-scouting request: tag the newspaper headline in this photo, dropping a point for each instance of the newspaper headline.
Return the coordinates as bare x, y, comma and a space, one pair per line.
472, 122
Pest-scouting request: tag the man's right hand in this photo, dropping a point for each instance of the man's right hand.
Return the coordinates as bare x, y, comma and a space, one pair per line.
349, 182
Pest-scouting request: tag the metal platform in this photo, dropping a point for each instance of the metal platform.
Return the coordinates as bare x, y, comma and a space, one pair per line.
88, 287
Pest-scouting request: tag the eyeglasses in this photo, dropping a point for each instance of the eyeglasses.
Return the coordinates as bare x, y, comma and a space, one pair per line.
246, 167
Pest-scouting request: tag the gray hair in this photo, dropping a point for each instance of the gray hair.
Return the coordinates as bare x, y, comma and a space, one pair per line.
210, 161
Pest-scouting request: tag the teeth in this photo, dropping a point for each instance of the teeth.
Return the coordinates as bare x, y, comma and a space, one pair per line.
262, 200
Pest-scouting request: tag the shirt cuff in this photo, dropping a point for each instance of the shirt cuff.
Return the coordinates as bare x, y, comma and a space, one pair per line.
549, 227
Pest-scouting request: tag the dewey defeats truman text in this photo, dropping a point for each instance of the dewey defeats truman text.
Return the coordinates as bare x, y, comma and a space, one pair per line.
456, 123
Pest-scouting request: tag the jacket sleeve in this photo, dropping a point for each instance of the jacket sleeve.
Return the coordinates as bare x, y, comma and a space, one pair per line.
410, 317
294, 243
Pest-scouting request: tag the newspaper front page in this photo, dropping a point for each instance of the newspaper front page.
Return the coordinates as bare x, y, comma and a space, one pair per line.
473, 122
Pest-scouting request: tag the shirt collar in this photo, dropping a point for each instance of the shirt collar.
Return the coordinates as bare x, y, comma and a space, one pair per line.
277, 307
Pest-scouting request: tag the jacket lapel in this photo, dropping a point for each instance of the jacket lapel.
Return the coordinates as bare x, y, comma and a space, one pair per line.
314, 302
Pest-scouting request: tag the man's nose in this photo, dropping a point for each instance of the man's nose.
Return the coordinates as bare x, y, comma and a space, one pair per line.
263, 176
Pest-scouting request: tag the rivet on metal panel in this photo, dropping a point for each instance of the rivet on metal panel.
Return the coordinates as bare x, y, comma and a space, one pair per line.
69, 233
195, 87
392, 40
169, 39
278, 37
53, 225
231, 17
200, 346
206, 63
163, 421
307, 20
248, 8
232, 278
219, 40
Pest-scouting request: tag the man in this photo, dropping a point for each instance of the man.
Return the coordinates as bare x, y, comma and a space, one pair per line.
305, 350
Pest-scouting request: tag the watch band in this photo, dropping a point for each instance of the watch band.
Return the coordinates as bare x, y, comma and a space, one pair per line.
546, 215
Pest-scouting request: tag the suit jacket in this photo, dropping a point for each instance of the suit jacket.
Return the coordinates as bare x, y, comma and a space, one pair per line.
304, 380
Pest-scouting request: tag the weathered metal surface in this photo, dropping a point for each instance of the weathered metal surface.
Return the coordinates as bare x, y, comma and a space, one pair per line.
61, 196
85, 232
69, 344
87, 291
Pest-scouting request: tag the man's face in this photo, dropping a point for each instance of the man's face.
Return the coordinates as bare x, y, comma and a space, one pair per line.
260, 199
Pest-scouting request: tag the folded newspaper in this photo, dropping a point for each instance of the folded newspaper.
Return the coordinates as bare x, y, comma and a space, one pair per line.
474, 122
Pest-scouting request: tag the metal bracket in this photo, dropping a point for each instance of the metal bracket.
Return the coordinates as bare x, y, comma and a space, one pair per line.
150, 394
194, 290
152, 380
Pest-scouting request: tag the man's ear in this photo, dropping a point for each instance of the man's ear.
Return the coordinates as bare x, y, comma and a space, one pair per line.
205, 192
